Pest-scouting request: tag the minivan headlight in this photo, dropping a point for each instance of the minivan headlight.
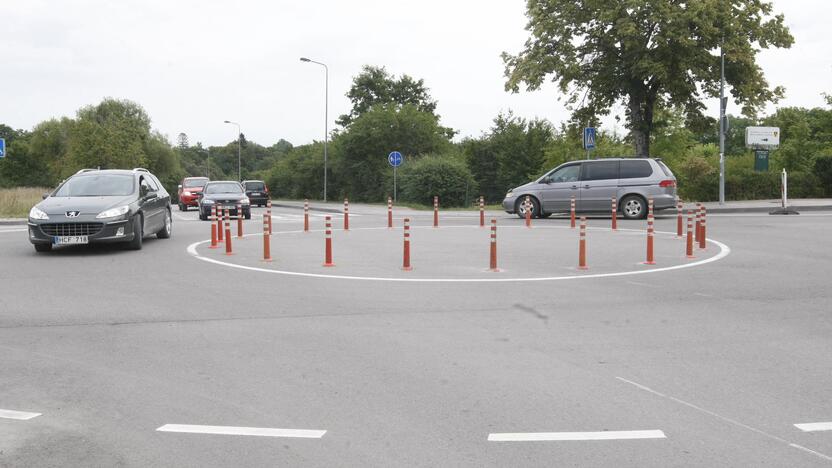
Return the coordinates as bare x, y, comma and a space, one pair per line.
112, 213
245, 201
509, 193
37, 213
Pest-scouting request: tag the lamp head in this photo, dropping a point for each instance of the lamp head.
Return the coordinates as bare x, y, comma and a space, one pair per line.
304, 59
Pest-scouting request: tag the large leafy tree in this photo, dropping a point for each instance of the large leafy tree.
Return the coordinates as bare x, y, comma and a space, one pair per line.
646, 53
375, 86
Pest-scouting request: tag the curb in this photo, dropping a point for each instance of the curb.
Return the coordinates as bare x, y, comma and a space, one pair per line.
12, 221
767, 209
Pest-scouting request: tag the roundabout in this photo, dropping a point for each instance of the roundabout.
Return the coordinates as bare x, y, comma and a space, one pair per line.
459, 254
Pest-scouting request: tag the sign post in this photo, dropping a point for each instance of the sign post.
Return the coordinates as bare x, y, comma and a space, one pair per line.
2, 147
589, 140
395, 159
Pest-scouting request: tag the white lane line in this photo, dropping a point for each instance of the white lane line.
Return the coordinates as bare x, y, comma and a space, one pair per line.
811, 427
724, 251
245, 431
723, 418
547, 436
12, 230
19, 415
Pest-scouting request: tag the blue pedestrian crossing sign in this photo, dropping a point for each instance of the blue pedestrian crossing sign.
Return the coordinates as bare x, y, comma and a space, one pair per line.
395, 159
589, 138
2, 148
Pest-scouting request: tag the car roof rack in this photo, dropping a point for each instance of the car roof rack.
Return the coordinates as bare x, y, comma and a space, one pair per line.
85, 170
140, 169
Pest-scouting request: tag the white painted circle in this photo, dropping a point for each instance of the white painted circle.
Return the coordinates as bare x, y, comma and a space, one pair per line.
724, 250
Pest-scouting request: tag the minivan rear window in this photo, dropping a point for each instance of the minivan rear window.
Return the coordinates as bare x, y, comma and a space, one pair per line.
635, 169
665, 169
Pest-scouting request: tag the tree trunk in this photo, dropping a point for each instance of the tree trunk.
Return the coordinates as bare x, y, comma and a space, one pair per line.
641, 122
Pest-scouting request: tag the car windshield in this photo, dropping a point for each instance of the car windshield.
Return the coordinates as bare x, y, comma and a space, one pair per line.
194, 183
255, 186
97, 185
225, 187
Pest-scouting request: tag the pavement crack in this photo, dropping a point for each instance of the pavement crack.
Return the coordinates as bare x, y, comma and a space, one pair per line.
534, 312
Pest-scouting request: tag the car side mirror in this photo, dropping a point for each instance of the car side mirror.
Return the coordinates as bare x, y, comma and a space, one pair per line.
45, 196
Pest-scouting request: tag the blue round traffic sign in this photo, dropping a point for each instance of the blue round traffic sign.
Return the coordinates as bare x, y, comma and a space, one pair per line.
395, 159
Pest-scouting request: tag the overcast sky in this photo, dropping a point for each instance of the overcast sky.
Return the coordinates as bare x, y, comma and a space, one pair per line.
193, 64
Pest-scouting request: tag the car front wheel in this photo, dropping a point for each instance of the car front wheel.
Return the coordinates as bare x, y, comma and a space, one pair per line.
167, 229
520, 207
138, 234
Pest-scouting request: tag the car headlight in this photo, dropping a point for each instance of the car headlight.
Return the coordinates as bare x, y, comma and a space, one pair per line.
186, 193
207, 201
245, 201
37, 213
112, 213
509, 193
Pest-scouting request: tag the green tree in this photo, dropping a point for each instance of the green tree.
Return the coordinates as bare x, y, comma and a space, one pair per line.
519, 146
110, 135
646, 53
375, 86
360, 162
444, 176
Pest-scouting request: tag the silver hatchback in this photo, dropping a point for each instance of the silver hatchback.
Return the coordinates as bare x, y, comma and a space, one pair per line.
593, 184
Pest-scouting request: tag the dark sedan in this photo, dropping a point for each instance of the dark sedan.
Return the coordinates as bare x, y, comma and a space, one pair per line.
223, 194
102, 206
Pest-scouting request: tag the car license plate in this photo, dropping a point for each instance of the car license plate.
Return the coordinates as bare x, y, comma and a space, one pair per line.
255, 194
70, 240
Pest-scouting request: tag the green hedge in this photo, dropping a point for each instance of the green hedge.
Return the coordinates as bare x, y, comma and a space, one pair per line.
445, 176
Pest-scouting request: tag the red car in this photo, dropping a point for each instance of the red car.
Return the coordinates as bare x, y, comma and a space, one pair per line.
189, 191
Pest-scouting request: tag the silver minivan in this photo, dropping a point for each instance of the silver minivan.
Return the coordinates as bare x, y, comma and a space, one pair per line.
593, 184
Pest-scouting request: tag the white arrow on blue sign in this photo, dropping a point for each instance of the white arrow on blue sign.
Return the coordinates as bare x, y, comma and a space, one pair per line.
395, 159
2, 148
589, 138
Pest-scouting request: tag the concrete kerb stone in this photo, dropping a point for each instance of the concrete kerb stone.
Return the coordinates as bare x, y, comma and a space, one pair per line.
12, 221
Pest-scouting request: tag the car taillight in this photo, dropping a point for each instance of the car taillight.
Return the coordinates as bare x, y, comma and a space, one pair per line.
667, 183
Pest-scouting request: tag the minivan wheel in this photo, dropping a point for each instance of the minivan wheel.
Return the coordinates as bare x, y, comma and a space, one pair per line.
633, 207
520, 207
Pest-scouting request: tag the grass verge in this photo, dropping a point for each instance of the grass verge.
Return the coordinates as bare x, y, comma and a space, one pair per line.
16, 202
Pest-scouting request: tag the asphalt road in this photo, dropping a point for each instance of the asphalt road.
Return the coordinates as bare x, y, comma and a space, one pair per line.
712, 365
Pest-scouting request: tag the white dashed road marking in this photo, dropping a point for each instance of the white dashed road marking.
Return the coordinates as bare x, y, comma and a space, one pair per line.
244, 431
19, 415
561, 436
812, 427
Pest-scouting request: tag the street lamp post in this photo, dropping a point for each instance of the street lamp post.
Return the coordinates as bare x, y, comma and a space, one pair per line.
239, 132
326, 113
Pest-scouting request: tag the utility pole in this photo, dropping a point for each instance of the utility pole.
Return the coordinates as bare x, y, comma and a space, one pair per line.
722, 127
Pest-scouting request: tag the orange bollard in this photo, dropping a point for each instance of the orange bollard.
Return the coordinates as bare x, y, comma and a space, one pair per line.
582, 246
220, 236
697, 234
214, 227
614, 214
493, 261
679, 209
528, 204
328, 254
650, 260
269, 214
482, 212
239, 221
702, 238
650, 207
689, 249
227, 234
306, 215
435, 211
267, 251
346, 215
389, 212
406, 253
572, 213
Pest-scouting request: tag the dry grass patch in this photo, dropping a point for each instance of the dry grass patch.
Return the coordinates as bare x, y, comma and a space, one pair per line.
16, 202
